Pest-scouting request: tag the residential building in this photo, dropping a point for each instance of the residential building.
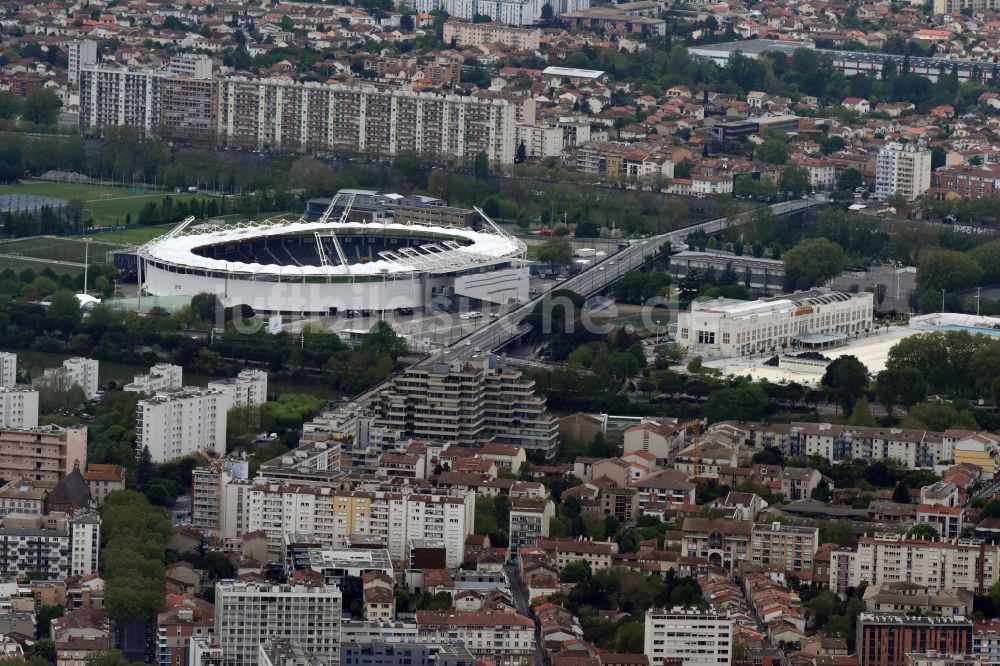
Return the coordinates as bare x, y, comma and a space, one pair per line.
47, 453
529, 521
381, 653
248, 388
612, 20
18, 407
665, 488
190, 66
908, 598
80, 52
184, 617
974, 182
469, 402
113, 95
598, 554
54, 546
248, 613
885, 640
8, 369
903, 169
82, 372
661, 437
189, 108
80, 633
815, 319
799, 482
723, 542
182, 421
691, 637
201, 652
947, 520
986, 642
390, 517
103, 479
960, 564
822, 173
282, 114
161, 377
504, 639
469, 33
788, 546
219, 491
24, 497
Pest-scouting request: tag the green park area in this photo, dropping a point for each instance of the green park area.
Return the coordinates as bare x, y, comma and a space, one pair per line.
107, 206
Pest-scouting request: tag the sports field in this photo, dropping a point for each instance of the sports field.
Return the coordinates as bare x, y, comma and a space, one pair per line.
59, 249
107, 205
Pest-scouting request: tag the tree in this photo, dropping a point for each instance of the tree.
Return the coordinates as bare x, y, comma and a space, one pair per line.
205, 307
794, 179
437, 183
901, 494
481, 168
987, 256
408, 166
65, 308
899, 386
861, 413
846, 379
832, 144
748, 402
41, 107
107, 658
947, 269
822, 491
575, 572
851, 179
924, 531
556, 251
813, 262
773, 151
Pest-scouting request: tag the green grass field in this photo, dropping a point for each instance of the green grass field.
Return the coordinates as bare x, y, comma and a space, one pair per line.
59, 249
18, 265
131, 235
107, 205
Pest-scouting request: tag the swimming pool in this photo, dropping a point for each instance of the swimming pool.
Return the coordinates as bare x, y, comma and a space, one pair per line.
969, 329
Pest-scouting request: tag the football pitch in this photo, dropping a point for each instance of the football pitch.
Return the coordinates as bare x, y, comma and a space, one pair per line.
108, 206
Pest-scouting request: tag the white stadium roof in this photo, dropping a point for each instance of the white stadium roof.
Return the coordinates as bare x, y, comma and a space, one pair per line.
486, 248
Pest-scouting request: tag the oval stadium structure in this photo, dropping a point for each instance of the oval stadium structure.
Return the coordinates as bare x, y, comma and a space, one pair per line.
334, 265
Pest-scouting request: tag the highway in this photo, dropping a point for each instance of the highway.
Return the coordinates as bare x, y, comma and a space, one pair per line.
495, 333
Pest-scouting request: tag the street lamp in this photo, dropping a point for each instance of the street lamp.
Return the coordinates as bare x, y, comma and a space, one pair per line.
86, 262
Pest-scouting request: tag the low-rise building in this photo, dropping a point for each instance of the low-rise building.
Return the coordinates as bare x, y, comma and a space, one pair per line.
504, 639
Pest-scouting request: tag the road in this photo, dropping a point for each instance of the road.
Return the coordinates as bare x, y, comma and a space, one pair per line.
524, 608
496, 333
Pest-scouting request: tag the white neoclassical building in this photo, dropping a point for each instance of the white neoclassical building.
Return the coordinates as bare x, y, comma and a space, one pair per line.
814, 319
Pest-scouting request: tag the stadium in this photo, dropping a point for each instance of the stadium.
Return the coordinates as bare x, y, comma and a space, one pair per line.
344, 262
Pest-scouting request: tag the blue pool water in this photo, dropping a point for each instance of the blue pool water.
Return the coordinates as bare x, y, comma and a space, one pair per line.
971, 329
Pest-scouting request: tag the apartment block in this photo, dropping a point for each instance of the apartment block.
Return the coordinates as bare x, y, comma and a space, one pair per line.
161, 377
53, 546
787, 546
391, 517
886, 640
288, 115
191, 66
504, 639
18, 407
82, 372
80, 52
529, 521
48, 453
219, 491
182, 421
467, 33
248, 613
248, 388
114, 95
904, 169
691, 637
468, 402
8, 369
937, 565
